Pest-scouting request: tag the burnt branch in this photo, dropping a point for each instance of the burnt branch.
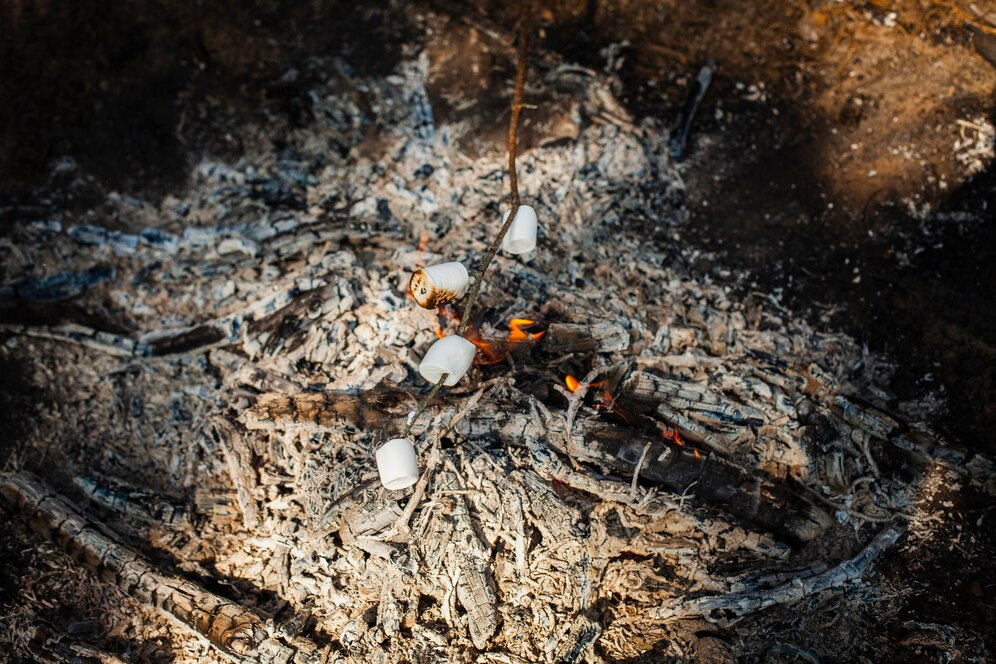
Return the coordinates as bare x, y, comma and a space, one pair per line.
227, 626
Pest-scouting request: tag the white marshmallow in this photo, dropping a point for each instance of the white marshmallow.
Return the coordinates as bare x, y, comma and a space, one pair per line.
451, 355
440, 284
521, 235
397, 464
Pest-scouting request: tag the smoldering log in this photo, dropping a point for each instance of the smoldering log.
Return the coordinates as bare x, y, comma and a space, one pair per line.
699, 414
616, 449
233, 630
601, 337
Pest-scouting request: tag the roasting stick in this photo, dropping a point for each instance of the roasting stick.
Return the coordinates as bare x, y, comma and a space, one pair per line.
513, 181
513, 132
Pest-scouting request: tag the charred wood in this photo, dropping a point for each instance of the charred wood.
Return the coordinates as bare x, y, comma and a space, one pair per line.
741, 604
600, 337
227, 626
140, 504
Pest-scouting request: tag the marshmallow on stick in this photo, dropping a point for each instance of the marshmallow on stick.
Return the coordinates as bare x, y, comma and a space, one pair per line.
436, 285
521, 235
450, 355
396, 464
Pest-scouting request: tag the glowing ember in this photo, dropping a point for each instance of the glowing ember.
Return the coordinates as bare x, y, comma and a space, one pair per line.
572, 383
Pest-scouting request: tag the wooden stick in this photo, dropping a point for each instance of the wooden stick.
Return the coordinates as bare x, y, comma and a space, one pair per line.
513, 181
513, 131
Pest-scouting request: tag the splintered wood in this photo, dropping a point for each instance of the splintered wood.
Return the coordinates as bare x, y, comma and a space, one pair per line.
245, 352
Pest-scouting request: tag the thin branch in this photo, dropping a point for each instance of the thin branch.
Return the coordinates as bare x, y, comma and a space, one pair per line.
425, 404
513, 181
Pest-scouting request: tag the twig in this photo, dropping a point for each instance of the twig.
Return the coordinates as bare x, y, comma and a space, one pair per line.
634, 485
577, 398
513, 180
425, 404
513, 133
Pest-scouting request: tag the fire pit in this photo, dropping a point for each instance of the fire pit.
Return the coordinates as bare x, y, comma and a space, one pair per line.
638, 455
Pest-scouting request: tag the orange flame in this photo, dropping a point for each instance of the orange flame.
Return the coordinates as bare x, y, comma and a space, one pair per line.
672, 434
493, 352
516, 334
608, 401
490, 353
444, 314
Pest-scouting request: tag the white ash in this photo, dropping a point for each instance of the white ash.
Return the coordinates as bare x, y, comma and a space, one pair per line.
495, 538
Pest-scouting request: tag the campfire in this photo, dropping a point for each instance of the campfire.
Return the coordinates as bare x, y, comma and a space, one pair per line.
334, 435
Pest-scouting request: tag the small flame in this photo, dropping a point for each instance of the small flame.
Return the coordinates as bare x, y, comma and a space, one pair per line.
573, 384
493, 352
423, 242
443, 315
672, 434
490, 353
608, 401
517, 334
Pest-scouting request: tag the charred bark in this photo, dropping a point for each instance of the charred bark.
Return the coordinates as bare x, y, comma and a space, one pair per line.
230, 628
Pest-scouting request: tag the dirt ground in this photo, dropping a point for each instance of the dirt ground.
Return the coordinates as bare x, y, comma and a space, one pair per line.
842, 159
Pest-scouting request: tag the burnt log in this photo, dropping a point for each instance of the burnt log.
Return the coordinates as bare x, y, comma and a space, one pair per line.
140, 504
600, 337
232, 629
344, 412
717, 481
735, 605
617, 449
